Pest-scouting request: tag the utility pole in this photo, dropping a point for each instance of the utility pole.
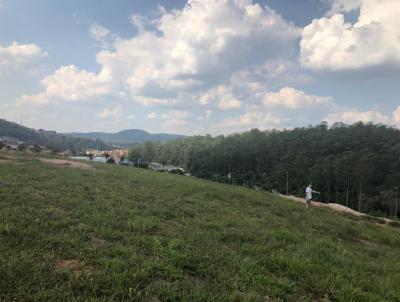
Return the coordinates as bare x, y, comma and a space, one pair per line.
337, 193
287, 183
395, 208
347, 191
229, 173
359, 199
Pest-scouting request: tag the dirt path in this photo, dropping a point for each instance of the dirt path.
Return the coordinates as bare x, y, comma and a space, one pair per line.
66, 163
336, 207
333, 206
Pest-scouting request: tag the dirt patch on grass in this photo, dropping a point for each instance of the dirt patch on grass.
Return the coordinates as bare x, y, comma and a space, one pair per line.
153, 299
99, 243
75, 266
334, 206
66, 163
158, 283
4, 161
380, 221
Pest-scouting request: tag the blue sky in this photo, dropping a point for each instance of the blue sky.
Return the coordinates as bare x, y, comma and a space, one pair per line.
198, 66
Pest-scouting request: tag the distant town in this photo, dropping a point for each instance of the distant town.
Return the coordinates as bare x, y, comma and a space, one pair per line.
119, 156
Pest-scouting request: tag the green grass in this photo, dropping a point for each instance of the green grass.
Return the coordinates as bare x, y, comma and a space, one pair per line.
137, 235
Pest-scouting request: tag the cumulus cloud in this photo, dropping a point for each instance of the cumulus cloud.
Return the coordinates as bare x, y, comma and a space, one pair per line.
18, 56
332, 44
101, 35
149, 101
252, 119
114, 113
222, 96
204, 42
70, 84
396, 116
343, 6
180, 52
293, 99
354, 116
175, 119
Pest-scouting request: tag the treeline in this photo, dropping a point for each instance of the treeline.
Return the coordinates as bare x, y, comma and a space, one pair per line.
355, 165
49, 139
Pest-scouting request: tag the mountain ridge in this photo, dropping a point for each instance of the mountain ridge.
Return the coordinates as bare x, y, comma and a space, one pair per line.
127, 137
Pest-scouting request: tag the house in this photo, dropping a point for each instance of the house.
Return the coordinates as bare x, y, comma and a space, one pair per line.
66, 153
37, 148
10, 143
170, 169
94, 153
118, 155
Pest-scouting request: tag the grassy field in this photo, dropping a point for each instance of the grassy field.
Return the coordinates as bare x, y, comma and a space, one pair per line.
125, 234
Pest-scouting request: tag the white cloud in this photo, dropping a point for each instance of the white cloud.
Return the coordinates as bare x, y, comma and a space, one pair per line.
282, 71
148, 101
222, 96
69, 84
131, 117
354, 116
174, 119
252, 119
203, 43
293, 99
19, 56
343, 6
101, 35
152, 115
396, 116
332, 44
183, 53
113, 113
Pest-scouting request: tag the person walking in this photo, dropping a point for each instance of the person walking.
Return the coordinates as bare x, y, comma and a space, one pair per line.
309, 192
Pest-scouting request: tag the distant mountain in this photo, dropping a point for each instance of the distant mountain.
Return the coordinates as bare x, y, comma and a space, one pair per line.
128, 137
50, 139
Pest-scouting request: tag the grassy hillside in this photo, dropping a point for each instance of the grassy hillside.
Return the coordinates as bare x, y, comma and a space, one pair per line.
124, 234
49, 139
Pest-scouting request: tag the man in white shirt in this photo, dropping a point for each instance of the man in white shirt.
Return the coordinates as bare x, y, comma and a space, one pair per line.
309, 192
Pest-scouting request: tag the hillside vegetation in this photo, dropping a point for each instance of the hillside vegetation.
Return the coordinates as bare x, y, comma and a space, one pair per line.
355, 165
49, 139
123, 234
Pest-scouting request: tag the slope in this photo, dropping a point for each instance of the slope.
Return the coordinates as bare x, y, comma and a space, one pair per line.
124, 234
49, 139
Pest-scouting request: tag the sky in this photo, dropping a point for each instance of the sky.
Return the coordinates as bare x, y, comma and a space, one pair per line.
198, 66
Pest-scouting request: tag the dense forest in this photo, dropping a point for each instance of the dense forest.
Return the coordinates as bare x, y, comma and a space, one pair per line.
355, 165
49, 139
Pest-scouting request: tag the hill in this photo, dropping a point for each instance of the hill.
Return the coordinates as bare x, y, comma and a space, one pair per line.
128, 137
355, 165
113, 233
50, 139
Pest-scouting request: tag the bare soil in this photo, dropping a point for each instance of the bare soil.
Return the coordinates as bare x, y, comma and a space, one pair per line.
333, 206
66, 163
74, 266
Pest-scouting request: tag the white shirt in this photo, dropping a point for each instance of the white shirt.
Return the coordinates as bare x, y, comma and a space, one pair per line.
309, 193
